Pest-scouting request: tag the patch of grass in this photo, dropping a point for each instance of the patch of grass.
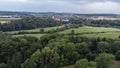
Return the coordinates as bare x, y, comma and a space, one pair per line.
103, 35
9, 19
36, 30
34, 35
116, 64
90, 29
110, 32
70, 66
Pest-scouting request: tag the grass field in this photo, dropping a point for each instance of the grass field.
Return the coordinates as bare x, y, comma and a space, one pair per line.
36, 30
90, 29
102, 35
9, 19
34, 35
109, 32
71, 66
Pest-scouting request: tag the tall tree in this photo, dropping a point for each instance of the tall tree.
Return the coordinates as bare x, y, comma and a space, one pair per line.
104, 60
33, 61
16, 60
49, 58
103, 47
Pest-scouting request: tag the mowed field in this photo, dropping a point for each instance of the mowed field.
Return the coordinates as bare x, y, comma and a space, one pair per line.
33, 35
36, 30
97, 32
91, 29
102, 35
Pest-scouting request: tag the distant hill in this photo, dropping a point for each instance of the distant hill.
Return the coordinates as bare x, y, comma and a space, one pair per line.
23, 14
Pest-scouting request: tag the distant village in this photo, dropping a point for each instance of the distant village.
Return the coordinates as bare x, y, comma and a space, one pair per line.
65, 17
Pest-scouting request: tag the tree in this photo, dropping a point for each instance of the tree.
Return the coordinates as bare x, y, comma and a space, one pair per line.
115, 46
33, 61
83, 63
92, 64
70, 55
16, 60
3, 65
42, 30
82, 48
72, 32
104, 60
49, 58
117, 55
103, 47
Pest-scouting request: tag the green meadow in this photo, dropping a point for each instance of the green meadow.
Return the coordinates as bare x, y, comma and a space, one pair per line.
105, 31
34, 35
36, 30
103, 35
9, 19
91, 29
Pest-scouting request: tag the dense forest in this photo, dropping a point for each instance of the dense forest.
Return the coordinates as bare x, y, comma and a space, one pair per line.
28, 23
57, 50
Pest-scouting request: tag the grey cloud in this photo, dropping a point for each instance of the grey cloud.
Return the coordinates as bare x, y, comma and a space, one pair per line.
75, 6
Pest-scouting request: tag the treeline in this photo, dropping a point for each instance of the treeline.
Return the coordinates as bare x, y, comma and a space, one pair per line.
98, 23
28, 23
35, 22
106, 23
57, 50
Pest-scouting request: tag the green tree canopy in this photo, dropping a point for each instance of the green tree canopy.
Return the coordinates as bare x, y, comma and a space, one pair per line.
104, 60
103, 47
83, 63
33, 61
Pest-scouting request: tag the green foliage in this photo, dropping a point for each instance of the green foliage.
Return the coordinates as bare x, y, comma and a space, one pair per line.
83, 63
104, 60
3, 65
49, 58
72, 32
103, 47
28, 23
57, 50
92, 64
117, 55
42, 30
16, 60
115, 46
32, 61
82, 48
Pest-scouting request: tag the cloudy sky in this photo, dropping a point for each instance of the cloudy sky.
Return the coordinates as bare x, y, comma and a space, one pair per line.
72, 6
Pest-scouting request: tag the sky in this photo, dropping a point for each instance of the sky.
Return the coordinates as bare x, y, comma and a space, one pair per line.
71, 6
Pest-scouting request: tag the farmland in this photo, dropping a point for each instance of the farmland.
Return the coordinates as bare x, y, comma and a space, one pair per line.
7, 20
103, 35
44, 43
105, 18
35, 35
36, 30
88, 31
